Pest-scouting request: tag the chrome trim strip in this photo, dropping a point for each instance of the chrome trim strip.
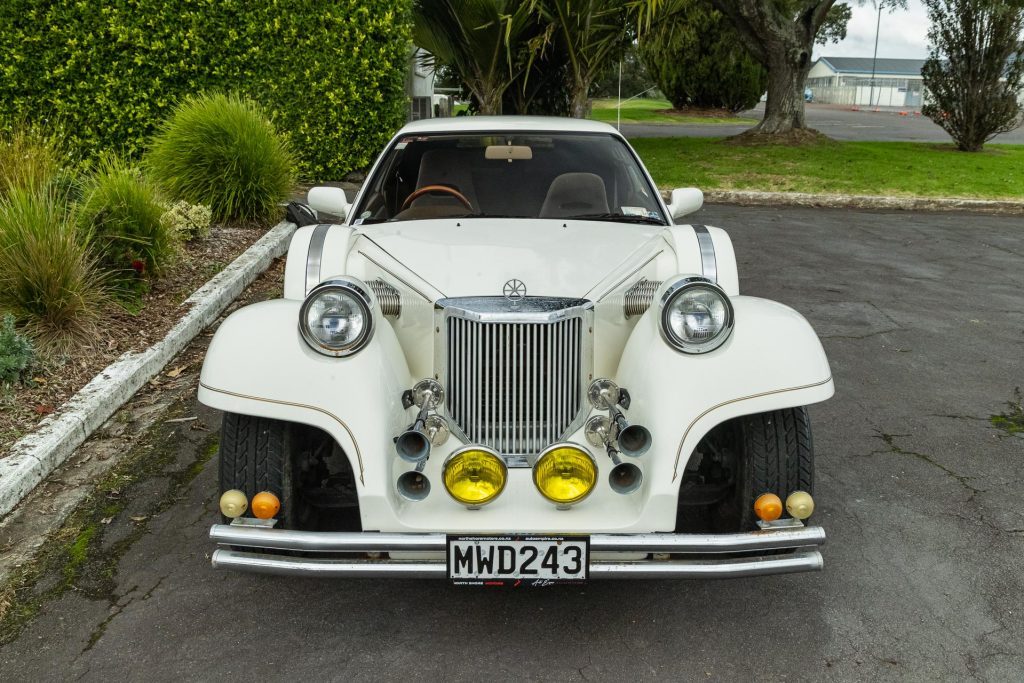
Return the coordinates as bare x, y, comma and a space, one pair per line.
257, 563
392, 273
531, 309
626, 277
679, 451
709, 264
267, 538
315, 255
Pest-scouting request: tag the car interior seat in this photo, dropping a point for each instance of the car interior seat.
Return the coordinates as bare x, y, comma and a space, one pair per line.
575, 194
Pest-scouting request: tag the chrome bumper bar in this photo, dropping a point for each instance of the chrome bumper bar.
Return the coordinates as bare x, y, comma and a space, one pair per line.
250, 543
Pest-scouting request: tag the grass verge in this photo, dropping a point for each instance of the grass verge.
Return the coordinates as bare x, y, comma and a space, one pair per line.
655, 111
832, 167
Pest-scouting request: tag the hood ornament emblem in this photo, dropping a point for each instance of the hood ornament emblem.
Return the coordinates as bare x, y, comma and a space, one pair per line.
514, 291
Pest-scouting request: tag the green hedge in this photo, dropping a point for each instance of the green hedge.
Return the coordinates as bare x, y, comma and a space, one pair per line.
330, 73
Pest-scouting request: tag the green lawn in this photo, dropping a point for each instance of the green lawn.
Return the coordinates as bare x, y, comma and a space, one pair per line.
872, 168
652, 111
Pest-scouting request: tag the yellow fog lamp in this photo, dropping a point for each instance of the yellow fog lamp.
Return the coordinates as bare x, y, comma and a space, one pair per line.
474, 475
799, 505
565, 474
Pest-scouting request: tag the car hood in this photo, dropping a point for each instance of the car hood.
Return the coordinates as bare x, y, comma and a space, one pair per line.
476, 256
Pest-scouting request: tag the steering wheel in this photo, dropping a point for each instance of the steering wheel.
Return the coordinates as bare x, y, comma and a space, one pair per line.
427, 189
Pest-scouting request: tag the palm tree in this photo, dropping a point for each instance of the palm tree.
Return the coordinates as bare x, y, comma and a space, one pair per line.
592, 32
482, 40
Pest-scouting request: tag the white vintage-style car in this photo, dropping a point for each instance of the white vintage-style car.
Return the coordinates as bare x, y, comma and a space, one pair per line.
509, 362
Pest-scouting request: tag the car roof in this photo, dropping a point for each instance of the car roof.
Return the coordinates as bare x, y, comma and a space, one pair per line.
472, 124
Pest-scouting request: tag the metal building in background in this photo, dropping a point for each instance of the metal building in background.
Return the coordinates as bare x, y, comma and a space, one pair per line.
848, 80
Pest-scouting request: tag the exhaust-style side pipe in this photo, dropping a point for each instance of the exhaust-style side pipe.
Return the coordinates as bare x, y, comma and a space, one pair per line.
634, 440
413, 445
625, 477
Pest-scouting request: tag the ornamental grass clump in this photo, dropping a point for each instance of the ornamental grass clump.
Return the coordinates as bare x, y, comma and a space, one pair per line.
222, 151
16, 352
48, 273
122, 210
28, 159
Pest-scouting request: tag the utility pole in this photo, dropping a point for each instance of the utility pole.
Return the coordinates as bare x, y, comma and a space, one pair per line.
871, 93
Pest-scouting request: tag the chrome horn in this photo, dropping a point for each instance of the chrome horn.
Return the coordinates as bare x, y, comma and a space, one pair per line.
413, 445
633, 440
625, 477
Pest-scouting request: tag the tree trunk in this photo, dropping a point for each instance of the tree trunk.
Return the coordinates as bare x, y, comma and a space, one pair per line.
578, 104
784, 109
490, 102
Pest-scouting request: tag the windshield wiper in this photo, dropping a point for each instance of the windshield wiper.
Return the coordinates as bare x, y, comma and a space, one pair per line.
617, 217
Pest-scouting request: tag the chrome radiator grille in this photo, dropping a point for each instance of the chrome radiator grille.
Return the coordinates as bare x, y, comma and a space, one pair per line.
516, 385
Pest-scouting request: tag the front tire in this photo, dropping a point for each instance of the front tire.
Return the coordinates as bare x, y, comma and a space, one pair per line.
255, 455
776, 456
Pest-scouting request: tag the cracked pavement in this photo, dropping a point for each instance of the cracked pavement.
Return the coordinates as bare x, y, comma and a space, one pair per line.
922, 316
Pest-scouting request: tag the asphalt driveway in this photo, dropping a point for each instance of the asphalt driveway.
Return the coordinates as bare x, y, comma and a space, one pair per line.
922, 316
836, 122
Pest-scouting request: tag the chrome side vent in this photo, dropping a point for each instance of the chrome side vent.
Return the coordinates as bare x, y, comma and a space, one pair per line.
638, 297
388, 297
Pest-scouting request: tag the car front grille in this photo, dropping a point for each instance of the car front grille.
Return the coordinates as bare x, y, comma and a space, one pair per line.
515, 375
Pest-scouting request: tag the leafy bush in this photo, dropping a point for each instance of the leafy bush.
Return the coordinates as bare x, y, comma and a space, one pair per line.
698, 60
123, 212
332, 73
222, 151
48, 274
188, 221
16, 351
28, 158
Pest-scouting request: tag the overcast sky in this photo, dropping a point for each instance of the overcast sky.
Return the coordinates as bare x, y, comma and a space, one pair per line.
903, 33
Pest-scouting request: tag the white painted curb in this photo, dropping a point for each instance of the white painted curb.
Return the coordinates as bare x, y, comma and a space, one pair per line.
872, 202
34, 456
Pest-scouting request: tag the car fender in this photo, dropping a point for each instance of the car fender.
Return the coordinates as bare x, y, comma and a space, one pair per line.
315, 253
707, 251
275, 374
773, 359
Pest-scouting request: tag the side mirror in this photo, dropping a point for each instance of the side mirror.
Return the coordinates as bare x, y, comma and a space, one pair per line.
685, 200
330, 200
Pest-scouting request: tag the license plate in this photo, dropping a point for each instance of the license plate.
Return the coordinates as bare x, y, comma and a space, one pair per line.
517, 560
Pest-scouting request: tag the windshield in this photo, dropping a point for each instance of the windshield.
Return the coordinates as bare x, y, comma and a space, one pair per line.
545, 175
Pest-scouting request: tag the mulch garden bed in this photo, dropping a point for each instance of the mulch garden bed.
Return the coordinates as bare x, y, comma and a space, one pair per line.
54, 381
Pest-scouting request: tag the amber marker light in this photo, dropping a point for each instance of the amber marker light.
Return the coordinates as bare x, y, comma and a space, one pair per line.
233, 504
800, 505
767, 507
265, 505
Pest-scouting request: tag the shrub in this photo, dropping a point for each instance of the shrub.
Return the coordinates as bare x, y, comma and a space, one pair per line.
16, 352
698, 60
123, 212
222, 151
188, 221
28, 158
974, 73
332, 73
48, 274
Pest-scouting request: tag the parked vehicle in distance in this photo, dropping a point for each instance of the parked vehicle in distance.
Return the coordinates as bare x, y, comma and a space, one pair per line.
508, 361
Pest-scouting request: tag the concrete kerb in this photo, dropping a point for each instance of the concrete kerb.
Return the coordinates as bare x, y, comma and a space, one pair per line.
34, 456
870, 202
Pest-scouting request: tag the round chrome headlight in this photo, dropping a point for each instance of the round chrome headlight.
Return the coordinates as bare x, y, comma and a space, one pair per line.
696, 315
335, 318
